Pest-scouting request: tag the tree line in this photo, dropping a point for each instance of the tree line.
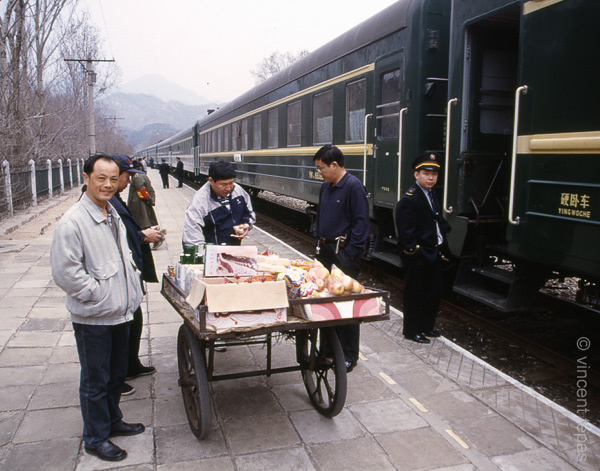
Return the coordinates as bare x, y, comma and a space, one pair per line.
43, 93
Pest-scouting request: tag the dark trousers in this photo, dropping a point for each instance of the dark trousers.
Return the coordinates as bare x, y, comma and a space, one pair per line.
179, 181
103, 358
422, 292
349, 335
165, 179
135, 336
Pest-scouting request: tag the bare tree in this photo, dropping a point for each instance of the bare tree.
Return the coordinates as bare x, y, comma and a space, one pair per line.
275, 63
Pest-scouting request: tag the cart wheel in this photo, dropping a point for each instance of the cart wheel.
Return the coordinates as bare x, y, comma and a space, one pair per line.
324, 378
193, 382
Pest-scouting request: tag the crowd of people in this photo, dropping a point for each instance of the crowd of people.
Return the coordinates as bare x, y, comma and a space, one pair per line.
101, 257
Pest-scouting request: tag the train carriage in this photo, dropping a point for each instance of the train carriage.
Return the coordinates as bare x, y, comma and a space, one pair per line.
524, 141
504, 89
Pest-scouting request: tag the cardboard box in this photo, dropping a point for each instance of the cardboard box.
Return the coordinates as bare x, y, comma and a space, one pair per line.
339, 309
239, 306
239, 321
220, 296
185, 274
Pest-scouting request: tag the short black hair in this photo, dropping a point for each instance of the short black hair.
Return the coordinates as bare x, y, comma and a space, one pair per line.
329, 154
221, 170
89, 164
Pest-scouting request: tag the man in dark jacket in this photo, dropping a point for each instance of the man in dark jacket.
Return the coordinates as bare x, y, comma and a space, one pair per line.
164, 169
422, 233
179, 172
139, 243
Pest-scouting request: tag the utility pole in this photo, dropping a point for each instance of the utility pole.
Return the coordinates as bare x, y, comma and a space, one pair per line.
88, 67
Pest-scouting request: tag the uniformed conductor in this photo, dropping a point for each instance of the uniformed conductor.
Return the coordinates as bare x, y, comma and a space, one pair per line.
422, 233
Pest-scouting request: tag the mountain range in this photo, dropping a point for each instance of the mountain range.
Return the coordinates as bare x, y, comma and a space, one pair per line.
152, 108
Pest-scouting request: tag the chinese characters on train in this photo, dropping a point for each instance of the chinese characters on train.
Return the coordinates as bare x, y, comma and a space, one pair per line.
575, 204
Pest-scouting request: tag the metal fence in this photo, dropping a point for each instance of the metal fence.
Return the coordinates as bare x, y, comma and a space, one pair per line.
22, 187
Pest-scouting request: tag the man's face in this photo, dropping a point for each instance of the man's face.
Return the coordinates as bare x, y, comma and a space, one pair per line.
221, 188
102, 182
124, 180
328, 172
426, 178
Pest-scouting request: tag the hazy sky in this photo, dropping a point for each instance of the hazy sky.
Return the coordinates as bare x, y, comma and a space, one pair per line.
210, 46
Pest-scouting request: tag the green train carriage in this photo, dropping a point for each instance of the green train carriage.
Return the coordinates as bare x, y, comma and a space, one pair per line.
523, 167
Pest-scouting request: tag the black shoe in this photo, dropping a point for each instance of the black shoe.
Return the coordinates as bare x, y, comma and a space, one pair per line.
127, 390
220, 348
350, 365
432, 333
141, 371
418, 338
107, 451
124, 429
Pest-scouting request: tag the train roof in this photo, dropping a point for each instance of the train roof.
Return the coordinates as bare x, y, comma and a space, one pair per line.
388, 21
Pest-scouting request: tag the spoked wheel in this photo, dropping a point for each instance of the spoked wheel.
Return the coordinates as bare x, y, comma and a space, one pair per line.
193, 382
324, 376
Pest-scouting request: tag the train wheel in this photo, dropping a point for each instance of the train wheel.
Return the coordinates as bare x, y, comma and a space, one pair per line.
193, 382
324, 376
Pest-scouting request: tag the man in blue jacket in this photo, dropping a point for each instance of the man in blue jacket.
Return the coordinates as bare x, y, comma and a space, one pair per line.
422, 233
220, 212
138, 241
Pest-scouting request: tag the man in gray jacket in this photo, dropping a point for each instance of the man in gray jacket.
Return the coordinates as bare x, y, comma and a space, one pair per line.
92, 263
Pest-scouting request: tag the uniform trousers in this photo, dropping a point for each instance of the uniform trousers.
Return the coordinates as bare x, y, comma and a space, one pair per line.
103, 351
422, 292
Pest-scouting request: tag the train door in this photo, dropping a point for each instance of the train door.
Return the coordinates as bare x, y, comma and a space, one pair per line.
389, 111
491, 54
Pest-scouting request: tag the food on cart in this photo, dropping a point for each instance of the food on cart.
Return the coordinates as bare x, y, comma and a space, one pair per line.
341, 283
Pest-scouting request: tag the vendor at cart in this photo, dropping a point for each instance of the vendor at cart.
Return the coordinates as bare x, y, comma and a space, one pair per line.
220, 212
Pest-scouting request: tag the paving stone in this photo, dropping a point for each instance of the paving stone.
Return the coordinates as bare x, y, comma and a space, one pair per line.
532, 460
293, 458
169, 411
22, 375
64, 355
424, 381
494, 436
49, 424
166, 384
260, 433
242, 402
177, 443
62, 373
48, 455
366, 389
15, 398
210, 464
47, 396
24, 356
9, 421
422, 448
34, 339
43, 324
455, 406
352, 455
58, 313
292, 397
165, 330
316, 428
387, 416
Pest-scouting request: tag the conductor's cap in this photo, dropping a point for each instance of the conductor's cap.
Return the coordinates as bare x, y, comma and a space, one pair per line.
428, 161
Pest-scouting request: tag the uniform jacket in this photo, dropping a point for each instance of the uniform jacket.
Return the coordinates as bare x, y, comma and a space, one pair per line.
415, 221
179, 169
142, 209
164, 168
207, 221
141, 251
103, 287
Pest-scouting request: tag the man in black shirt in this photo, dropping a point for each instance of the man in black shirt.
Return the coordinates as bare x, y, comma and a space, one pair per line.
342, 229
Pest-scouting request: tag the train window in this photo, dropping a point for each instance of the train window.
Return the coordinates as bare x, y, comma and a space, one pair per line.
244, 134
227, 138
213, 135
236, 136
220, 140
294, 124
273, 122
273, 137
256, 132
389, 108
356, 100
323, 118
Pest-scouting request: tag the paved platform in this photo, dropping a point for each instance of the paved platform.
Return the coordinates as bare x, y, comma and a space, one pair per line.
409, 406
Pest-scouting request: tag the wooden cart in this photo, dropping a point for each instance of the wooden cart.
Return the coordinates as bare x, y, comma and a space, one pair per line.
324, 376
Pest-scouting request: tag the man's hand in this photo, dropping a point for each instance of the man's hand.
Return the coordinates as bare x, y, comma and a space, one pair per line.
152, 235
240, 231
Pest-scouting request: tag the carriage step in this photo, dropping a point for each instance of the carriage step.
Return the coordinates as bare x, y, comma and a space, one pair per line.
487, 297
497, 274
